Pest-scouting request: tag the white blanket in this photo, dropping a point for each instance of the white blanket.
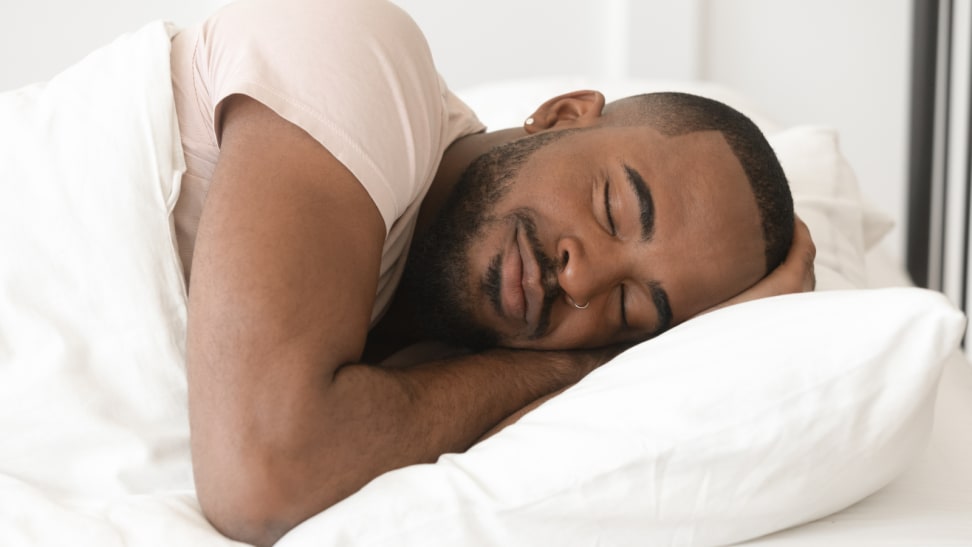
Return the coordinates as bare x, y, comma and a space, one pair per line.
93, 308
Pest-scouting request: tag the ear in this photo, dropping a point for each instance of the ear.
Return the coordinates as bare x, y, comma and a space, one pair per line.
575, 109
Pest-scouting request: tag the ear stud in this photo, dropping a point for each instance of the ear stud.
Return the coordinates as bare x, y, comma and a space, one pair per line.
529, 121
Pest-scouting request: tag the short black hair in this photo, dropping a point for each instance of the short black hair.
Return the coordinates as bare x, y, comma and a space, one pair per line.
674, 114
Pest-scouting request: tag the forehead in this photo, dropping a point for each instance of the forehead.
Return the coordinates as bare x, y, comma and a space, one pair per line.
701, 168
645, 140
711, 244
701, 164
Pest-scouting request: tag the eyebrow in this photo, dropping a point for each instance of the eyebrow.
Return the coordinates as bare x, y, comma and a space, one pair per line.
645, 203
660, 298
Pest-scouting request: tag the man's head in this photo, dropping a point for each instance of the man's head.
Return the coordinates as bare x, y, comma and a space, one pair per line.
603, 225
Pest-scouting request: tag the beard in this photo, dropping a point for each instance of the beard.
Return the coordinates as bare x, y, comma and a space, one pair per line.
437, 271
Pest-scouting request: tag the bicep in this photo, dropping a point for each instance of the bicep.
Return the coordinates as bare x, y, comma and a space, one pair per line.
283, 280
289, 245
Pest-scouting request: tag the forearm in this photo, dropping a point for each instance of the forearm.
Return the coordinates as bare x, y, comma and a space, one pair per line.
421, 412
329, 438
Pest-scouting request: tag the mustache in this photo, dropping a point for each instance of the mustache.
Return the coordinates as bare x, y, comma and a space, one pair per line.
549, 267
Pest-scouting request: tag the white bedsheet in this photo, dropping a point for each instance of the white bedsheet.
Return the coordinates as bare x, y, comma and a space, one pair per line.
95, 448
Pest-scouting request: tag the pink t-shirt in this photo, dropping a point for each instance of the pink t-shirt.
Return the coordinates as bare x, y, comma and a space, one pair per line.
357, 75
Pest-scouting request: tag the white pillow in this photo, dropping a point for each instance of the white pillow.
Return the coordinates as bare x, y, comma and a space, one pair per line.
735, 424
825, 191
827, 198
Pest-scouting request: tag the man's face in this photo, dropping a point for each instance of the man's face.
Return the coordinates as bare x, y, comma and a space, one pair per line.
641, 230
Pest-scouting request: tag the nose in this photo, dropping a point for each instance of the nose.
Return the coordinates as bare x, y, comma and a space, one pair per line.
586, 270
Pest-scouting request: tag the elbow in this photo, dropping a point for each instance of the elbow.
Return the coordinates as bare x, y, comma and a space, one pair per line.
254, 508
256, 482
239, 517
256, 503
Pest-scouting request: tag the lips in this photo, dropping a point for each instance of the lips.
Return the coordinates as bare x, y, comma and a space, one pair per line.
521, 293
512, 297
531, 280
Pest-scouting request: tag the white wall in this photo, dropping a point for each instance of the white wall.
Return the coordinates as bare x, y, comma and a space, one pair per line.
38, 38
475, 42
845, 64
834, 62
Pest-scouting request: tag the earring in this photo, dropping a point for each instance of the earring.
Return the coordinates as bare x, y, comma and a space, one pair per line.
529, 121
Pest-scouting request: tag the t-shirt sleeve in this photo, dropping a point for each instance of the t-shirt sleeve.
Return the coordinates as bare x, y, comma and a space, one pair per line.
356, 75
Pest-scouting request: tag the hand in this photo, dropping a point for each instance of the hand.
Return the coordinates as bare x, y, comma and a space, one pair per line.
794, 275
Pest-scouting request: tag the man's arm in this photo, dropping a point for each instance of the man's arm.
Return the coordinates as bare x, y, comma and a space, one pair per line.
284, 421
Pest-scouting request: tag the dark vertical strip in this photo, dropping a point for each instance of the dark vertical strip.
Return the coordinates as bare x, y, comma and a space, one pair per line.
944, 134
968, 183
922, 130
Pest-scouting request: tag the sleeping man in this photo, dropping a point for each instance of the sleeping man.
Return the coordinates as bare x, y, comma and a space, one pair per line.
320, 141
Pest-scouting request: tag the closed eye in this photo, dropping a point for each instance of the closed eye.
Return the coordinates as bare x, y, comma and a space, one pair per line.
645, 203
607, 208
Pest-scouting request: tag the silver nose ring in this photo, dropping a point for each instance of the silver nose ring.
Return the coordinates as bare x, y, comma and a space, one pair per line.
573, 303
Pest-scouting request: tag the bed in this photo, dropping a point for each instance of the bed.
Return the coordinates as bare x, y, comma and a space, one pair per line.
839, 417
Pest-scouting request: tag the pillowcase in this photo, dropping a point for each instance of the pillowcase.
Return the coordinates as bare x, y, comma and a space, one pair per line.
824, 188
826, 197
735, 424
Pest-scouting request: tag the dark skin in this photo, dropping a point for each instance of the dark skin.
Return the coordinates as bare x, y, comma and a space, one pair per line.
286, 416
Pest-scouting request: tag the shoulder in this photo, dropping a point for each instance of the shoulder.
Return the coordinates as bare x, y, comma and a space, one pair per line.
331, 58
314, 22
357, 75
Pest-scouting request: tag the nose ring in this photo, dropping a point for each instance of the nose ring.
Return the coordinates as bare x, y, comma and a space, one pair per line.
584, 307
573, 303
